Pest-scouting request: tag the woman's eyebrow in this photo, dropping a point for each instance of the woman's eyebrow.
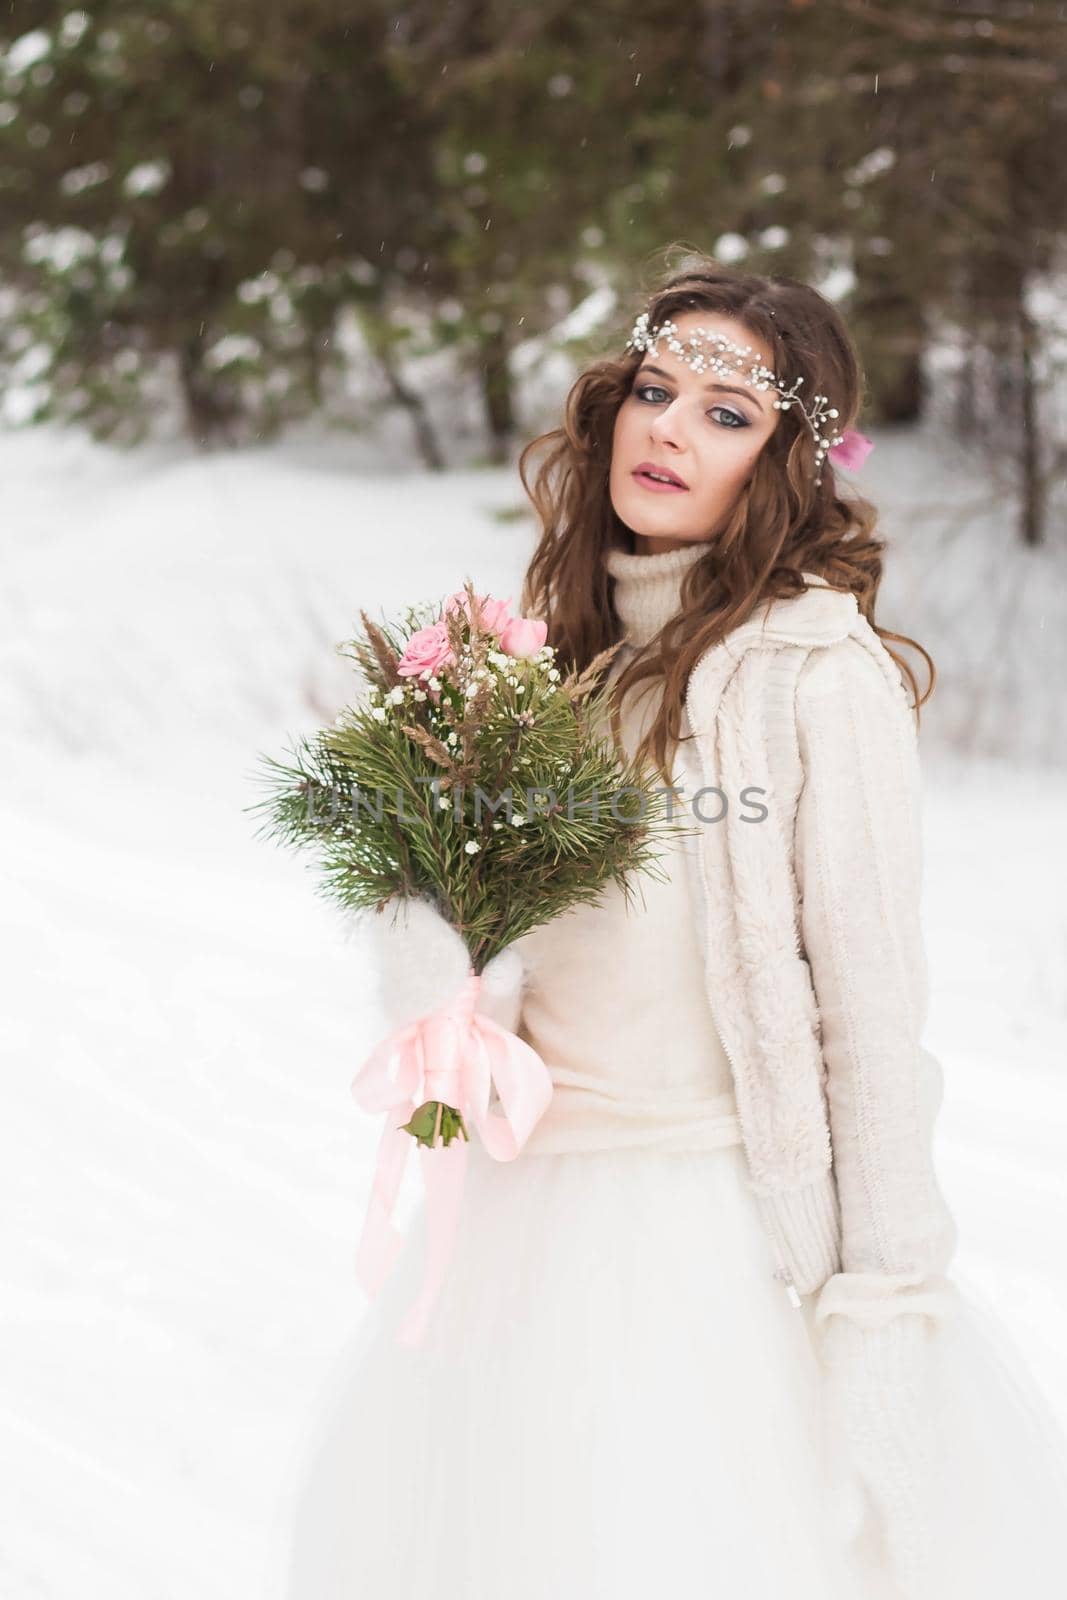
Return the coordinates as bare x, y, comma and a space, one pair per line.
722, 388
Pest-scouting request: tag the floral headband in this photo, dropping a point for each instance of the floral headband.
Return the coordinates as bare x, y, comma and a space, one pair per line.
849, 449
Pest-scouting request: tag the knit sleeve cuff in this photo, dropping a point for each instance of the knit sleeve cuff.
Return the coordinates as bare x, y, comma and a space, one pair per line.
873, 1299
805, 1224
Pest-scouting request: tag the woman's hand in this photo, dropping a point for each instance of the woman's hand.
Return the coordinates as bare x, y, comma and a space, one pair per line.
501, 993
881, 1437
421, 961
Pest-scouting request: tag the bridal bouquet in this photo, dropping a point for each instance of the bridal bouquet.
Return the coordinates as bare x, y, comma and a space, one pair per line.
471, 775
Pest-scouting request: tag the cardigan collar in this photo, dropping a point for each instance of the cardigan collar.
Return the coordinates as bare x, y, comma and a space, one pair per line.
818, 616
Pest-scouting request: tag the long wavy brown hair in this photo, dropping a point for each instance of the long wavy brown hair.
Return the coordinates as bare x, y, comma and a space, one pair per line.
781, 525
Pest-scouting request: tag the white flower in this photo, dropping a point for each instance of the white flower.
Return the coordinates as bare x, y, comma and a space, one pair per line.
442, 801
453, 738
396, 695
435, 683
498, 825
553, 673
521, 689
518, 821
472, 847
379, 713
420, 694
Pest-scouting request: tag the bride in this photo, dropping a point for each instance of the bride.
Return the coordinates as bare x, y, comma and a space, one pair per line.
703, 1337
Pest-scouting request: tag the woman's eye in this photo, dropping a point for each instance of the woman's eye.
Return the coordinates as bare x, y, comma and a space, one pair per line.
736, 420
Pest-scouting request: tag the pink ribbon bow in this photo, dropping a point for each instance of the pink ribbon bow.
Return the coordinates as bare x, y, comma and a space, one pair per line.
853, 450
452, 1055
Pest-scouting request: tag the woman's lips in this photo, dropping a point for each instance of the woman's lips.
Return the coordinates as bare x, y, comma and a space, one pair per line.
656, 486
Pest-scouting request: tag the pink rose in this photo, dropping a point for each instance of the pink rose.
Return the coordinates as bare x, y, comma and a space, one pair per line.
426, 652
523, 636
492, 614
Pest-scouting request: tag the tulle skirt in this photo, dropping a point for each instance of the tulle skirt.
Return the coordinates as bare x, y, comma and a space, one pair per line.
616, 1398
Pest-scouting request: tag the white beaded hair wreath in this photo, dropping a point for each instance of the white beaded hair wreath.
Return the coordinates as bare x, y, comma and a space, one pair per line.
757, 376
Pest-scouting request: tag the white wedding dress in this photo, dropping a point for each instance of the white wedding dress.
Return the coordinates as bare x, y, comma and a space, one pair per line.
615, 1397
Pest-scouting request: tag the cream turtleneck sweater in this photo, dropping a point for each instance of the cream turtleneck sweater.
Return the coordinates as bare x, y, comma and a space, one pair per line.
615, 1001
648, 587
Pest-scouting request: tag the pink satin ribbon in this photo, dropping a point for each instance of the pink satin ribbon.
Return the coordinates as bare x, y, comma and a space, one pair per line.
453, 1055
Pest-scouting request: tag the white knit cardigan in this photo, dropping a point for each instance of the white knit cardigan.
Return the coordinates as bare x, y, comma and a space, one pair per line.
814, 954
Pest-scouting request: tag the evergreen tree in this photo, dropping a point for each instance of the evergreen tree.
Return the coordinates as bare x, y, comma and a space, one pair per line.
177, 196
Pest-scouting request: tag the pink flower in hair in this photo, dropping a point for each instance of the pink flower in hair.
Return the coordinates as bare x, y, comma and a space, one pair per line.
853, 450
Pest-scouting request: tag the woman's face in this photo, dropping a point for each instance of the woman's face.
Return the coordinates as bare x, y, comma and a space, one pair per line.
702, 428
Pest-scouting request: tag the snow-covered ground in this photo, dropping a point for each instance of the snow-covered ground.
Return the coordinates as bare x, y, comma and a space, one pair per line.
182, 1169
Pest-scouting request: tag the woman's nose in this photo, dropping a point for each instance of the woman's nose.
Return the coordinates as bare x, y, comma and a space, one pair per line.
669, 426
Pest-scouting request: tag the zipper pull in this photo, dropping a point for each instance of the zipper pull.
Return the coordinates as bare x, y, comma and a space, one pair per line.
790, 1287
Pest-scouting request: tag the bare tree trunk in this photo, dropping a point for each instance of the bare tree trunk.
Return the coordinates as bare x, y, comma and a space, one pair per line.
1014, 422
893, 335
1032, 509
965, 410
410, 399
211, 410
496, 391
